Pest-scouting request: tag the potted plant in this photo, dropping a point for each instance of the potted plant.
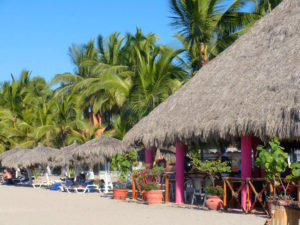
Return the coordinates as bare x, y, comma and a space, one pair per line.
214, 197
123, 163
154, 195
214, 169
274, 160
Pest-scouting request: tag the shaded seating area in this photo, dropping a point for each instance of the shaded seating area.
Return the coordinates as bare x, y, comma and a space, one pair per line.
246, 95
75, 166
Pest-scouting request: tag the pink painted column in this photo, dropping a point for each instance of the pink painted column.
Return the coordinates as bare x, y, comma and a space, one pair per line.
246, 160
149, 157
180, 147
255, 143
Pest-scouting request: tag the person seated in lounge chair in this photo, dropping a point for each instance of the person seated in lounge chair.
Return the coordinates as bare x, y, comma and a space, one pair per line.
7, 178
80, 180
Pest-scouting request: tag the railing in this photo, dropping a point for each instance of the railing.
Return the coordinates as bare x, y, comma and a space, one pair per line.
138, 184
235, 186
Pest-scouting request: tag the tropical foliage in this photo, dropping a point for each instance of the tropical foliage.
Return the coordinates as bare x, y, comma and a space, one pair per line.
120, 79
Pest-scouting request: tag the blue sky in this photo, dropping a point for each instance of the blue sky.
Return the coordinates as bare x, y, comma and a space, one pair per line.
36, 34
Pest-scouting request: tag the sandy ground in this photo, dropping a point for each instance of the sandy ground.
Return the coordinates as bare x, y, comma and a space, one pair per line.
28, 206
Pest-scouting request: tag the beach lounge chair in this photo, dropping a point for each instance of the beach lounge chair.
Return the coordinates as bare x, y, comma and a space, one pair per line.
58, 186
90, 188
81, 188
48, 183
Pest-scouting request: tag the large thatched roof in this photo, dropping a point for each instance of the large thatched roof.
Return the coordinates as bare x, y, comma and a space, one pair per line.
96, 150
253, 87
63, 157
38, 155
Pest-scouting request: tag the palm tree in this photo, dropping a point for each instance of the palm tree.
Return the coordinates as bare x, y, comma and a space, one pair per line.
157, 78
208, 26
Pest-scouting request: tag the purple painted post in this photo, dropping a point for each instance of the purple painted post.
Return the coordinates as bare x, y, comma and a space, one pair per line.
149, 157
180, 147
246, 158
255, 143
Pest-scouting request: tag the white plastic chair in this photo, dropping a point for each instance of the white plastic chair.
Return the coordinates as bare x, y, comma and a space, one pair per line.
188, 189
106, 177
197, 184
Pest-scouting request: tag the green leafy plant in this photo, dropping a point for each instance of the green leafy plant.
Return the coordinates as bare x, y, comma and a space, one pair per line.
151, 186
36, 174
71, 172
217, 190
151, 175
212, 168
295, 171
124, 163
274, 159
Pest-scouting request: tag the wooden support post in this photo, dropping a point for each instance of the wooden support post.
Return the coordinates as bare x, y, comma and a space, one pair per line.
271, 189
133, 189
167, 189
225, 195
248, 197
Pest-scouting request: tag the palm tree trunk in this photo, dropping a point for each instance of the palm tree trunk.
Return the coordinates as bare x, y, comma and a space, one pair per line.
63, 137
203, 53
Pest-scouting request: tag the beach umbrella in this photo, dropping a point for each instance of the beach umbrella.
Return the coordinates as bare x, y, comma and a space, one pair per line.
14, 158
39, 155
98, 150
9, 152
64, 156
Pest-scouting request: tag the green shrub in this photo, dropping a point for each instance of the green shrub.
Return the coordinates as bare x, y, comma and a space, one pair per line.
217, 190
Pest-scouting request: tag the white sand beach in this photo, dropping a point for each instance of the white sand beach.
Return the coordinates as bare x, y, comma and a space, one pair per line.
28, 206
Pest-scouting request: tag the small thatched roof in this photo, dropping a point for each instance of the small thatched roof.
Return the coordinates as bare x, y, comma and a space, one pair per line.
96, 150
168, 155
63, 157
252, 88
9, 152
15, 160
39, 155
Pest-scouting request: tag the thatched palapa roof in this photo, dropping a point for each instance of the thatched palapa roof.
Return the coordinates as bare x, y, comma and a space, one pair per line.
167, 154
40, 155
9, 152
64, 156
96, 150
252, 88
13, 157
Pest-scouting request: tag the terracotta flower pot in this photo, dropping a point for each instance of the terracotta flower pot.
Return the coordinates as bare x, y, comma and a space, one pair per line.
120, 194
154, 197
214, 202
